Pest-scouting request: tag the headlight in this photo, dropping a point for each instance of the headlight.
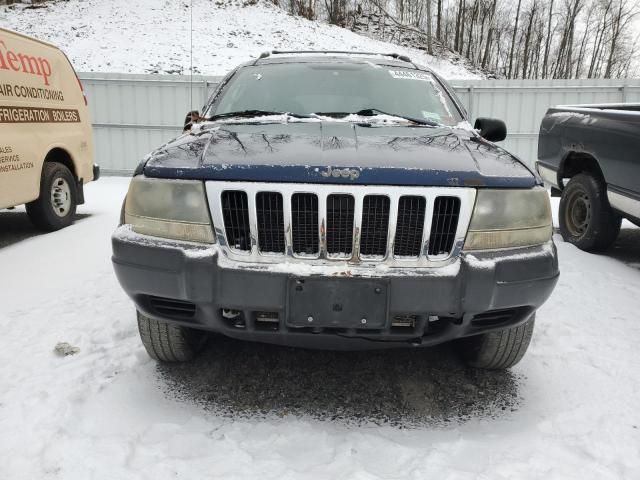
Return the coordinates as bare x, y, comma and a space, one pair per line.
509, 218
174, 209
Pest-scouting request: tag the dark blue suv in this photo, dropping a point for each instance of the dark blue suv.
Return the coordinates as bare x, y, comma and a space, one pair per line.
340, 201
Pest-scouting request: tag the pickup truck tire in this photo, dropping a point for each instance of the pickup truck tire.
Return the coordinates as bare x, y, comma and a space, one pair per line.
497, 350
586, 218
169, 343
56, 205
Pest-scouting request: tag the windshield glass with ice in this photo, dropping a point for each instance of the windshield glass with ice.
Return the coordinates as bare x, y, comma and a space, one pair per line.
336, 90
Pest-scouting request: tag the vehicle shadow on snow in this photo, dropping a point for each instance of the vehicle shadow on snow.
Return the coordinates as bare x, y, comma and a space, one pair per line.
400, 387
627, 247
15, 226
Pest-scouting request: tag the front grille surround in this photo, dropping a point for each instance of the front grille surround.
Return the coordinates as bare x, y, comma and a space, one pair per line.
317, 252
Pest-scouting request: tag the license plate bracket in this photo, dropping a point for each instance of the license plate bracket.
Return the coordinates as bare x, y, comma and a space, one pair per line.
337, 302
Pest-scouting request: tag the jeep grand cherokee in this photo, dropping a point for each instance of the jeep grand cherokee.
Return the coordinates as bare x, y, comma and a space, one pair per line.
326, 200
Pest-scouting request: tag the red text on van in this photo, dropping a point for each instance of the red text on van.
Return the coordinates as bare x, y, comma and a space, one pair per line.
10, 60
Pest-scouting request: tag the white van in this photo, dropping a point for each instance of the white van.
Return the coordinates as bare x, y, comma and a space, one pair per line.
46, 145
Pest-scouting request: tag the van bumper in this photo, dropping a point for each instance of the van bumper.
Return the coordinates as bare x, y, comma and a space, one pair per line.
196, 286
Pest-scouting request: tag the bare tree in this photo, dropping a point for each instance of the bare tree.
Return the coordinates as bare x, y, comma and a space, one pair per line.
429, 37
439, 21
620, 19
523, 39
487, 49
513, 39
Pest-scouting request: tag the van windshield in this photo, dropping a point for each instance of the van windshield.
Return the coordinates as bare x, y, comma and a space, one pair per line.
336, 90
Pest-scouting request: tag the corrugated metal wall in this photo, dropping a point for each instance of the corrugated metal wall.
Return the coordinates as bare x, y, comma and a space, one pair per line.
523, 103
132, 114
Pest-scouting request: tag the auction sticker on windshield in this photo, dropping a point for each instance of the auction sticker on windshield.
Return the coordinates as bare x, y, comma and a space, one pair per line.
411, 75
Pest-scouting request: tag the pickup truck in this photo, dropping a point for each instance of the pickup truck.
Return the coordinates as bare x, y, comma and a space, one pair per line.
589, 153
336, 200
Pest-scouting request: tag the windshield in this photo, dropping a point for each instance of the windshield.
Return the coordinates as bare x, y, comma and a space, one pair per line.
338, 89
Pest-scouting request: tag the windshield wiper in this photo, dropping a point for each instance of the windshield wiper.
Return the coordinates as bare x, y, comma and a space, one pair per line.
372, 112
331, 114
254, 113
366, 112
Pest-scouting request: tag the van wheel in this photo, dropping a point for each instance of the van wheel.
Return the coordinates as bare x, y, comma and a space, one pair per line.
586, 218
56, 206
170, 343
497, 350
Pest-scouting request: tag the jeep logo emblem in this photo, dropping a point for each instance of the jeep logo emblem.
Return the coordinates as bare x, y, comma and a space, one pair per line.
351, 173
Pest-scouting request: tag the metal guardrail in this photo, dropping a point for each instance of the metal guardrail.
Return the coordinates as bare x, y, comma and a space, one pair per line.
133, 114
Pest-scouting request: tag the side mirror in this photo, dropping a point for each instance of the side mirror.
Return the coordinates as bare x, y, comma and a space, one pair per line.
190, 119
491, 129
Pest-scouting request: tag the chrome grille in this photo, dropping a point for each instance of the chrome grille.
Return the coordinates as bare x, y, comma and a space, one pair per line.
324, 224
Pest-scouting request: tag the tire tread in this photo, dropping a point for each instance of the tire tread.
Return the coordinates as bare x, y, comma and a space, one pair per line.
498, 350
165, 342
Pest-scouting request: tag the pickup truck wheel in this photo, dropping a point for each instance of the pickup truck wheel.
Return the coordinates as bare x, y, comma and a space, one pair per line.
497, 350
56, 205
169, 343
586, 218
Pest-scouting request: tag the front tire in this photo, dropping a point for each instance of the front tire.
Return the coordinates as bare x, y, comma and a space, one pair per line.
56, 205
586, 218
497, 350
169, 343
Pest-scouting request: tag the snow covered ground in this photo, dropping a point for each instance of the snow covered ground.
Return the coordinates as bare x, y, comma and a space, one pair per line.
152, 36
247, 411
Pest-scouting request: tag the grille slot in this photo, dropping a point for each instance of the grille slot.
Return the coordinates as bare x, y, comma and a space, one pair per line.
304, 224
446, 211
340, 210
172, 308
375, 225
270, 217
409, 226
235, 212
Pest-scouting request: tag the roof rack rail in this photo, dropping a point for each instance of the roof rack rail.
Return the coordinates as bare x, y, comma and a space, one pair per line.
397, 56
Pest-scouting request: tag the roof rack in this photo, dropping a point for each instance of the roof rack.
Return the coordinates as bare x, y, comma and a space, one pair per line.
396, 56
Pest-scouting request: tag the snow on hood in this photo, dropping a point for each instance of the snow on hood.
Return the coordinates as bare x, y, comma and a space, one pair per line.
301, 150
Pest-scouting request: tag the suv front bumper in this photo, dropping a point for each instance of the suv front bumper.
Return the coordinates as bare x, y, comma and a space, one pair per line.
196, 286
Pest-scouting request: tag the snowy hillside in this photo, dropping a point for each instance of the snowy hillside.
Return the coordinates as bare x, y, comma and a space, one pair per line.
152, 36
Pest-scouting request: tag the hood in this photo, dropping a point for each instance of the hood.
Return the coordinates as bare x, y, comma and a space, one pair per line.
338, 152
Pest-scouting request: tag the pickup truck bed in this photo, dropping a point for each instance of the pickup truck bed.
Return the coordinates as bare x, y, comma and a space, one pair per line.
595, 147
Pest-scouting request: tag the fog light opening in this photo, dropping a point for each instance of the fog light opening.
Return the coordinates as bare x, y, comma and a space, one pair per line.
404, 322
233, 318
266, 320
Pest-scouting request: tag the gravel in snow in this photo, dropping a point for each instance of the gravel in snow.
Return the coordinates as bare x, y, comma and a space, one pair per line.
152, 36
246, 411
